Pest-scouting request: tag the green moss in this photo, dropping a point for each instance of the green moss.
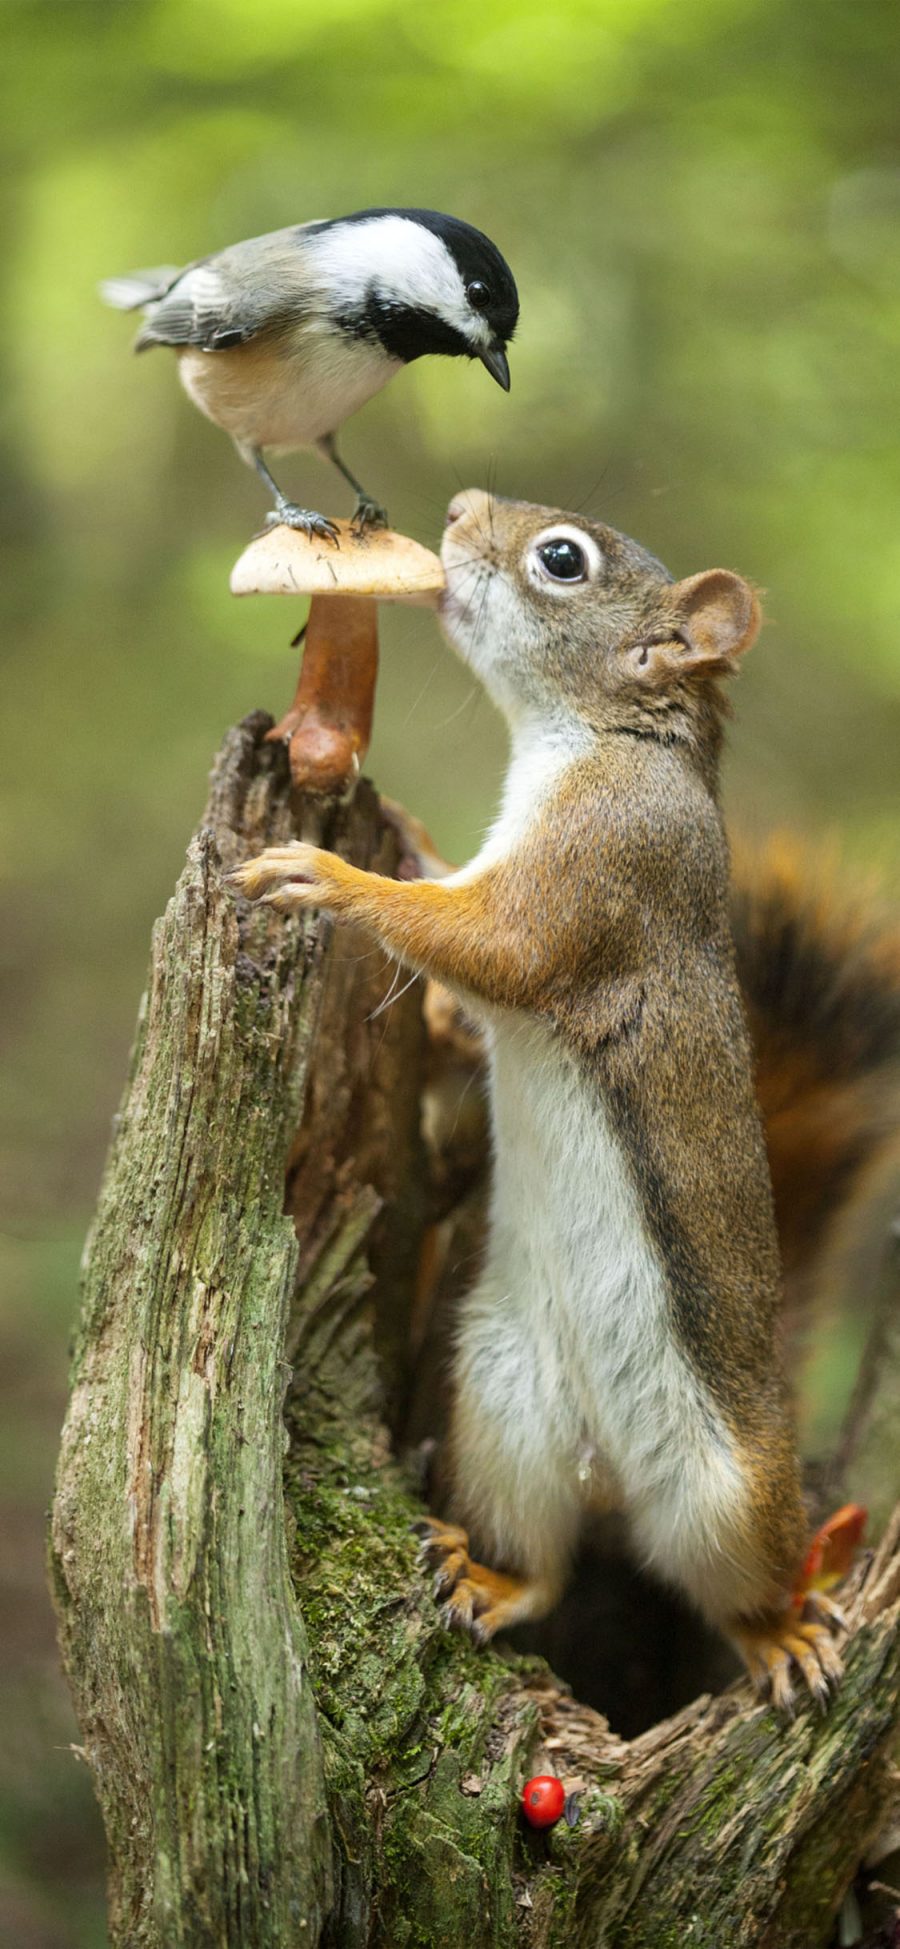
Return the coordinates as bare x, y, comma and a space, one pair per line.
404, 1701
557, 1897
447, 1851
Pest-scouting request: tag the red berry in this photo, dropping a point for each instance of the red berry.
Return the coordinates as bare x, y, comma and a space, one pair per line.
543, 1800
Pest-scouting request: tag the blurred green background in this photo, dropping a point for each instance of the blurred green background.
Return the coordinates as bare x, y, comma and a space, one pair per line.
701, 202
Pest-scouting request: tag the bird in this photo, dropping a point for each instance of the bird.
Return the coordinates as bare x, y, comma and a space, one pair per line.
281, 338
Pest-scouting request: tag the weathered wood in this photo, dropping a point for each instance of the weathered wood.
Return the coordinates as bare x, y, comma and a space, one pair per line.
181, 1634
287, 1745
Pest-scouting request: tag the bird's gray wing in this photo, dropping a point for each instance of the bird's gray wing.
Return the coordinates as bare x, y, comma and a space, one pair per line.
139, 287
225, 300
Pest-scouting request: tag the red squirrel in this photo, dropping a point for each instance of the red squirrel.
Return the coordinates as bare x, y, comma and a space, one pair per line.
618, 1350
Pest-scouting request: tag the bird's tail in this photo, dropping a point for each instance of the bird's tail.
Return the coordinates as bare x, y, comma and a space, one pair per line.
138, 288
821, 978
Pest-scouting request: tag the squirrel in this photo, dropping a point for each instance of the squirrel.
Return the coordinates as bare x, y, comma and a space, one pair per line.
820, 975
619, 1349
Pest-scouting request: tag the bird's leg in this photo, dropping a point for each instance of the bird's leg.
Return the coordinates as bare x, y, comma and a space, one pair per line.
367, 513
286, 513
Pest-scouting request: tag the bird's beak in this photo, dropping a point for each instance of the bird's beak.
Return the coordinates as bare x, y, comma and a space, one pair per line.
498, 366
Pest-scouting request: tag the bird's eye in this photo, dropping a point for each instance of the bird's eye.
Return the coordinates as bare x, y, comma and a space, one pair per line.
562, 559
478, 294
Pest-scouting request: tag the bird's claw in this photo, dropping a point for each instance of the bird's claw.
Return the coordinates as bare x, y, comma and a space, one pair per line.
368, 514
305, 520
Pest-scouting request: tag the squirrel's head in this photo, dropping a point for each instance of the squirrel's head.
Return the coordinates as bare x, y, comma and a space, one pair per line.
558, 614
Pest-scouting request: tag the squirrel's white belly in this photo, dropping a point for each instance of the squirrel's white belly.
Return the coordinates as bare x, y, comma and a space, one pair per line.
566, 1346
288, 395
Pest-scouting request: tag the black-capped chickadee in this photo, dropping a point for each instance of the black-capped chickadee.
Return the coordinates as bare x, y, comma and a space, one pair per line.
279, 339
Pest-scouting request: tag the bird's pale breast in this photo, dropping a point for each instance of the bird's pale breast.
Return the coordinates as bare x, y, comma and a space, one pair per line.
285, 392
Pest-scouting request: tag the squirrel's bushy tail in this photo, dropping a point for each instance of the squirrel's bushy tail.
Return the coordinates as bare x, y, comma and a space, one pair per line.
821, 977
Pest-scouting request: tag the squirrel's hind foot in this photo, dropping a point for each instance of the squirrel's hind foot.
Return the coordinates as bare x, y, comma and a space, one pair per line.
472, 1597
781, 1649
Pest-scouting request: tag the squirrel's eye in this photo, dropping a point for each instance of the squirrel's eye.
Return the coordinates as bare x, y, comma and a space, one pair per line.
478, 294
563, 559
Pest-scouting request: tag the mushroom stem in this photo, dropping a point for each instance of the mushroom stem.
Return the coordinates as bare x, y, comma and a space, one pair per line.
329, 724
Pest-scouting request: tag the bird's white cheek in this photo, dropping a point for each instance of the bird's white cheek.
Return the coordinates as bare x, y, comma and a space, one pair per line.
475, 328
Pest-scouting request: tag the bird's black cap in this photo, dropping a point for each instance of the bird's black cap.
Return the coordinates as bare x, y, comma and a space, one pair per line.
410, 333
479, 261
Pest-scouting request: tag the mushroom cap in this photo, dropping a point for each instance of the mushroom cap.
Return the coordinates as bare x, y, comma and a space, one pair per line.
379, 563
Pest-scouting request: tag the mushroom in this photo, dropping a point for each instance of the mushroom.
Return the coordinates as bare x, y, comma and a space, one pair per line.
329, 723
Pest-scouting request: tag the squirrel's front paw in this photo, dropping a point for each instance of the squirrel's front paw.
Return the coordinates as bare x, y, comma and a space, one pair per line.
287, 877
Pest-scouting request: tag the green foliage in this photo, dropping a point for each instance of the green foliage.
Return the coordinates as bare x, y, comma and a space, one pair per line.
702, 205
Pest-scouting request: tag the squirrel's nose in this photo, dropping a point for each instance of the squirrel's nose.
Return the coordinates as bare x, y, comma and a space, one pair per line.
472, 500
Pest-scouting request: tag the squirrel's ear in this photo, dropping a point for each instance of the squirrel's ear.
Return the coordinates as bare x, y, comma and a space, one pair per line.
715, 618
721, 616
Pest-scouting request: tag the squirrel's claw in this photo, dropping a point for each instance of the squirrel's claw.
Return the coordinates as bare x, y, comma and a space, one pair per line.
801, 1640
287, 900
823, 1610
443, 1550
285, 869
471, 1597
776, 1652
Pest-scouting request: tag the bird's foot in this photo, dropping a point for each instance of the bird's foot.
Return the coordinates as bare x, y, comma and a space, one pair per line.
286, 514
368, 514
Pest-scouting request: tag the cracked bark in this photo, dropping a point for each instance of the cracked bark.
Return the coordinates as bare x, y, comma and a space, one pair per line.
286, 1745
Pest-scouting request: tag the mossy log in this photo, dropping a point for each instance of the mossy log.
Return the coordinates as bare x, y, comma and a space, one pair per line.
286, 1744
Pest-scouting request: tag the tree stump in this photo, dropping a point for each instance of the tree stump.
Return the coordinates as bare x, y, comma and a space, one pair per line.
286, 1744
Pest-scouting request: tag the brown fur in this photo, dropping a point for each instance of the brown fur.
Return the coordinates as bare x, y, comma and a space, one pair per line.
820, 974
608, 917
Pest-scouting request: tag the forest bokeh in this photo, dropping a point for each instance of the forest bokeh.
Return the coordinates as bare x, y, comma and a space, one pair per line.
701, 203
